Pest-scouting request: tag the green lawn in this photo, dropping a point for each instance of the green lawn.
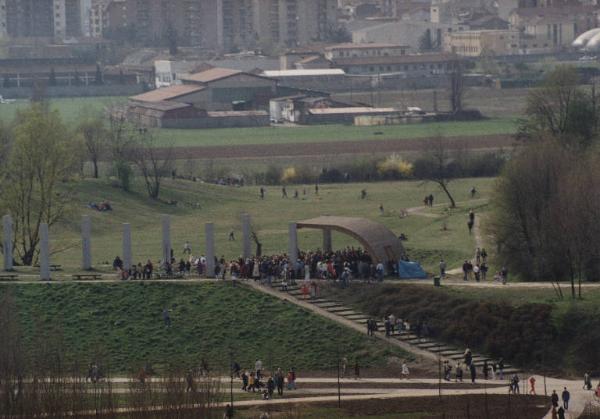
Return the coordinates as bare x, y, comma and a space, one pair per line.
325, 133
121, 325
70, 109
224, 205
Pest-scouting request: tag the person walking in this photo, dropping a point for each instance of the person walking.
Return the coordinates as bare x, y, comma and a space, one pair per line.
344, 365
473, 372
566, 396
532, 385
258, 368
279, 381
486, 370
501, 368
166, 317
442, 269
554, 399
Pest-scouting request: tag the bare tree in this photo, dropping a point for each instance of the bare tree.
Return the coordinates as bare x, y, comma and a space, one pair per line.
561, 109
120, 141
95, 136
154, 162
457, 85
439, 168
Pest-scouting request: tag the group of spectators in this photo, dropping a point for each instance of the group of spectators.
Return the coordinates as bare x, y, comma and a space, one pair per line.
342, 265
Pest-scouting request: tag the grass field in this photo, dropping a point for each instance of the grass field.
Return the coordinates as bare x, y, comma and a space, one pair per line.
121, 325
224, 206
70, 109
325, 133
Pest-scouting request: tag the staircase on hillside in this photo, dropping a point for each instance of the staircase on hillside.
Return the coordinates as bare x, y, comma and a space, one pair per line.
446, 352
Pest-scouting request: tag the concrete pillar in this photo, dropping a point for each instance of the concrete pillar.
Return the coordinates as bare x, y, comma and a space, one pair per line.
86, 242
293, 243
7, 237
44, 253
327, 240
166, 238
126, 246
246, 240
209, 233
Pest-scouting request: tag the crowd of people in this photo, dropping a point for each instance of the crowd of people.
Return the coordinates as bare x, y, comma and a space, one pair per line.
342, 265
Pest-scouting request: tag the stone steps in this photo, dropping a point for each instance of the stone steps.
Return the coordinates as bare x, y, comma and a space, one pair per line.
445, 351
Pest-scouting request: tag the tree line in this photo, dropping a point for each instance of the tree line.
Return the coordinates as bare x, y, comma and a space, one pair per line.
41, 158
547, 196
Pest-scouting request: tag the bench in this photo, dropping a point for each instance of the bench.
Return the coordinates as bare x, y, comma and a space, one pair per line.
53, 268
87, 277
8, 277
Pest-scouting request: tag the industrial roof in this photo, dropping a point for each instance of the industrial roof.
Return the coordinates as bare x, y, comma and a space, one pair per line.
305, 73
351, 45
389, 59
167, 93
351, 110
212, 74
381, 243
163, 105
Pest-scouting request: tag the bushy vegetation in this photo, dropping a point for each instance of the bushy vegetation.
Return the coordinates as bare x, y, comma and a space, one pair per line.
531, 335
547, 198
461, 164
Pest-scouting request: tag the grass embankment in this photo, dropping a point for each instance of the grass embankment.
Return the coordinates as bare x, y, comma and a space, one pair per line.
528, 327
121, 326
427, 241
70, 109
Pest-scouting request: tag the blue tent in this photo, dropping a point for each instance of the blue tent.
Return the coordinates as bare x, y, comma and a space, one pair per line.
410, 270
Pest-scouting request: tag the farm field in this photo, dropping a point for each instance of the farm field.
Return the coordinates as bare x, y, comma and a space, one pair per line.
197, 203
70, 109
121, 327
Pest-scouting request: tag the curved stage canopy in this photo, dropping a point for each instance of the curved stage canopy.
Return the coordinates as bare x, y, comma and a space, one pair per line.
377, 239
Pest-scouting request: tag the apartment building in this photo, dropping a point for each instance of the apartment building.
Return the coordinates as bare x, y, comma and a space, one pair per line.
58, 19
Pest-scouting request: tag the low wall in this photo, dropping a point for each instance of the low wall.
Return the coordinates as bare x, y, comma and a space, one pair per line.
217, 122
74, 91
367, 83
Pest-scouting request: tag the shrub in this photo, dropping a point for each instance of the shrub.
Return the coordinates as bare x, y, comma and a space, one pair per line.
395, 166
289, 175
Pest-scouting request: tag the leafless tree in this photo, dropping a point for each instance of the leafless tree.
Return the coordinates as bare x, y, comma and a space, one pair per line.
120, 141
561, 109
154, 162
457, 85
95, 136
439, 168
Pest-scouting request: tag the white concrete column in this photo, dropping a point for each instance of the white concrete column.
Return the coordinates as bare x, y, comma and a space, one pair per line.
86, 242
126, 246
44, 253
293, 243
327, 240
7, 244
209, 233
166, 238
246, 240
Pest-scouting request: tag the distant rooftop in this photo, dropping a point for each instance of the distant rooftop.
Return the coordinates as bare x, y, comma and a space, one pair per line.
211, 75
346, 111
351, 45
167, 93
306, 73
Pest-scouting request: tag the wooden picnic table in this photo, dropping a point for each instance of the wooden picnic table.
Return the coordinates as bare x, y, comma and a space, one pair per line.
87, 277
